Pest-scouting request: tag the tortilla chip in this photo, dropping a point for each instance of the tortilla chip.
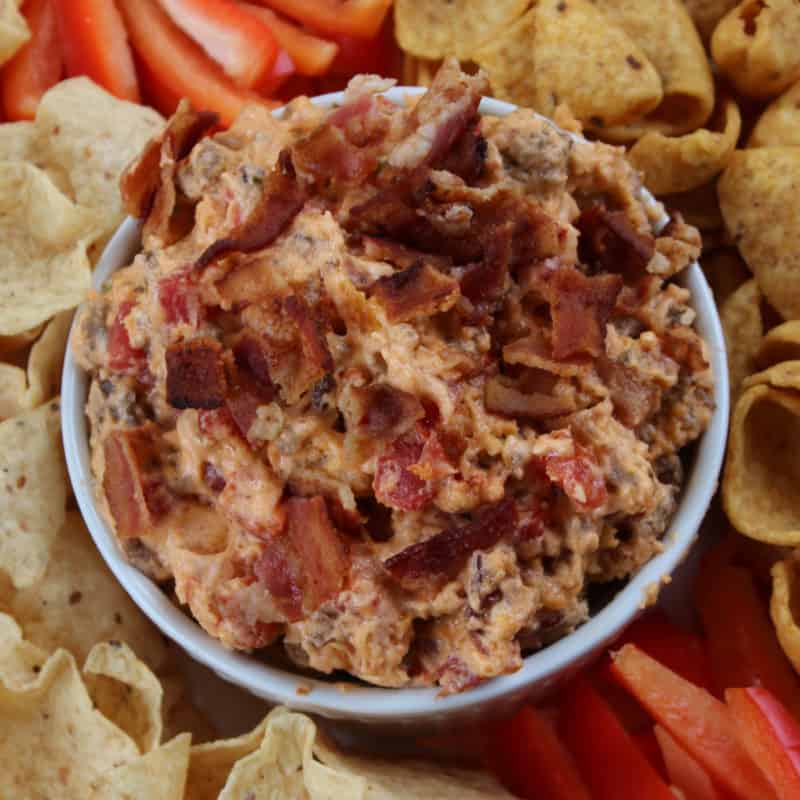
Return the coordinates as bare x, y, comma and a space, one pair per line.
665, 32
781, 343
756, 46
44, 268
13, 29
93, 146
779, 124
53, 744
681, 163
707, 13
743, 326
758, 196
759, 487
699, 207
79, 602
159, 775
17, 140
34, 493
126, 691
569, 52
725, 271
785, 608
432, 29
210, 764
20, 661
785, 375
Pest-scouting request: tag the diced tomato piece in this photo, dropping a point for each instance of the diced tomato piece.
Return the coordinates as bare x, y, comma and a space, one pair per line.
742, 644
683, 770
699, 722
608, 759
239, 42
311, 54
770, 734
353, 17
579, 478
38, 64
179, 300
528, 757
95, 44
394, 484
122, 356
180, 65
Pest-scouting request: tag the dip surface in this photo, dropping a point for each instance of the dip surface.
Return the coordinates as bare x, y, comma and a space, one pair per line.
392, 385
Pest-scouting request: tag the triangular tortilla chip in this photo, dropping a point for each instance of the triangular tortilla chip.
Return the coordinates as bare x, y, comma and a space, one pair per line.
20, 661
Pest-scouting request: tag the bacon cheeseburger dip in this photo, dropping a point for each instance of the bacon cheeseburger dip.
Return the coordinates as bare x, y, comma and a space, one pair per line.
394, 386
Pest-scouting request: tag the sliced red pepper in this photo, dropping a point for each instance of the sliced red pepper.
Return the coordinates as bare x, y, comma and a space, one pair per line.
700, 723
379, 55
311, 54
180, 65
648, 745
528, 757
282, 70
352, 17
38, 64
770, 734
239, 42
154, 93
95, 44
608, 759
683, 770
742, 645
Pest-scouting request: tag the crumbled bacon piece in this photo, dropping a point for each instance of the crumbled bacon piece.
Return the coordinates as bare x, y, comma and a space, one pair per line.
179, 300
418, 291
327, 154
387, 412
503, 397
122, 356
483, 283
252, 354
281, 200
467, 157
634, 399
445, 553
278, 568
394, 484
312, 337
609, 243
196, 374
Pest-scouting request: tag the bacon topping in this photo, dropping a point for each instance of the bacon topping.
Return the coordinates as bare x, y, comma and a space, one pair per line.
387, 412
445, 553
418, 291
122, 356
179, 300
503, 397
327, 154
196, 374
609, 243
317, 358
394, 484
252, 354
279, 569
467, 157
281, 200
634, 399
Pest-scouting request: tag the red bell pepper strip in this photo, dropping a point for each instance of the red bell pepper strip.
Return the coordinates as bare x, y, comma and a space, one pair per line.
282, 70
771, 735
528, 757
95, 44
180, 65
239, 42
684, 772
648, 745
700, 723
379, 55
607, 757
311, 54
741, 639
38, 64
352, 17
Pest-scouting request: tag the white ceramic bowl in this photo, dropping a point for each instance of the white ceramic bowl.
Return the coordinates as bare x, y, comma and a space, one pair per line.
404, 707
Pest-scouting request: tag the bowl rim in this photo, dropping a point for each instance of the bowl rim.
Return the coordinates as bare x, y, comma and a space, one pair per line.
371, 703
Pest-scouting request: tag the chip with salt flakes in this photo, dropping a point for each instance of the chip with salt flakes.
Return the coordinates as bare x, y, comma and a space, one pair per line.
158, 775
53, 743
126, 691
13, 29
33, 493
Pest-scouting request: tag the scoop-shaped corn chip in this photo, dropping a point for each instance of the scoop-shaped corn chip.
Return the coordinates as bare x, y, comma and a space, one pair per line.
781, 343
667, 36
758, 197
784, 607
756, 46
785, 375
570, 52
741, 321
707, 13
759, 487
779, 124
682, 163
433, 29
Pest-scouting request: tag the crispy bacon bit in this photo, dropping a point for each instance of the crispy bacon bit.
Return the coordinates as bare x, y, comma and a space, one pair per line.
503, 397
536, 352
467, 157
579, 477
434, 462
281, 201
122, 356
634, 399
394, 484
196, 374
609, 243
179, 300
395, 253
342, 116
418, 291
319, 547
327, 154
312, 337
387, 412
252, 354
279, 569
580, 307
445, 553
141, 180
130, 481
484, 283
